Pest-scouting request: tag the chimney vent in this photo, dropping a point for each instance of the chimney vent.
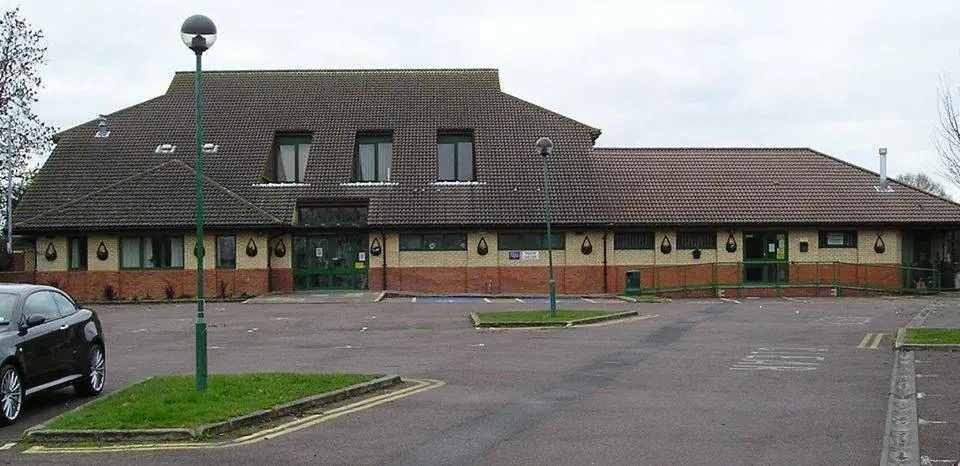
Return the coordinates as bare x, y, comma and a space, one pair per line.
884, 185
102, 129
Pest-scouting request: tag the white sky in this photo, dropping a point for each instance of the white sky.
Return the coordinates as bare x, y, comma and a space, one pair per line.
843, 77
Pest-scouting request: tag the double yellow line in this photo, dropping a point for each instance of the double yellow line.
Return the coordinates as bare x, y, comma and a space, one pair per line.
871, 341
419, 385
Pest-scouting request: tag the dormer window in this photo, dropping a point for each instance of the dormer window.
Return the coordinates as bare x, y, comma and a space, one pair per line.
374, 157
292, 154
455, 157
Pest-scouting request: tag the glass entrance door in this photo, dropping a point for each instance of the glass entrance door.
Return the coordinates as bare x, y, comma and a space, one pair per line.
765, 257
330, 262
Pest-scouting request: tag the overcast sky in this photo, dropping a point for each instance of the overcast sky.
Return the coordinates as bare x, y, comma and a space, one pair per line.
843, 77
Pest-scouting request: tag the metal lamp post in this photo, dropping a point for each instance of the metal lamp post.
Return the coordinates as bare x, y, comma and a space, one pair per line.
199, 33
545, 146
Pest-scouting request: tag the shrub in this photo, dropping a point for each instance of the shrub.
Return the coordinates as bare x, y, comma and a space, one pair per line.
109, 293
169, 291
222, 287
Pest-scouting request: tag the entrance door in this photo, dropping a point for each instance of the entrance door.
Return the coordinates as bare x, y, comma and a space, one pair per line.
765, 257
330, 262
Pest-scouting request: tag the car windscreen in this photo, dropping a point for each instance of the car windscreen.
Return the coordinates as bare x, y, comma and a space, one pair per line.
7, 302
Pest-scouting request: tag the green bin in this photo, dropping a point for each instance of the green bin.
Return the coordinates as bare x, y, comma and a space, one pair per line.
633, 282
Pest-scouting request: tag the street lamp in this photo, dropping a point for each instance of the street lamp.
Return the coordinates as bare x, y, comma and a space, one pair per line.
199, 33
545, 146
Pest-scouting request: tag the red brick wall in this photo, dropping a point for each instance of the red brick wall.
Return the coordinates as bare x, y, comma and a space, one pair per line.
436, 280
484, 280
583, 279
281, 279
128, 284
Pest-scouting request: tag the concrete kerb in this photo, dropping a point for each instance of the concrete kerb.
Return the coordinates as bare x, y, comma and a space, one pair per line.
39, 433
919, 321
567, 323
901, 440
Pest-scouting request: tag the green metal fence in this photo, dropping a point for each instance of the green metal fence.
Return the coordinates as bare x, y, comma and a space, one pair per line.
885, 278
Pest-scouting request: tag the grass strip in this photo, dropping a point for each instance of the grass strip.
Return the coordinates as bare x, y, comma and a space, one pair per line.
932, 336
537, 316
174, 402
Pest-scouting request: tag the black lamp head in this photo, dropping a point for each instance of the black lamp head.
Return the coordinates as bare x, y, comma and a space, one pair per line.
545, 146
198, 33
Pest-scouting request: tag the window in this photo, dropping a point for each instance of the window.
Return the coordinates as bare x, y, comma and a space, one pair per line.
455, 157
433, 242
696, 240
162, 252
77, 253
374, 156
226, 252
528, 241
41, 303
838, 239
633, 240
66, 306
333, 216
7, 303
292, 156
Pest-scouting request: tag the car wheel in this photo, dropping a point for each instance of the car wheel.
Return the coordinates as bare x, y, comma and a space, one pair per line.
92, 381
11, 395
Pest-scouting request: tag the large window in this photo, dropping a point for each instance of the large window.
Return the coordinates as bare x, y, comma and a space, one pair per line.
374, 157
151, 252
633, 240
697, 240
226, 252
838, 239
292, 156
528, 241
433, 241
333, 216
77, 256
455, 157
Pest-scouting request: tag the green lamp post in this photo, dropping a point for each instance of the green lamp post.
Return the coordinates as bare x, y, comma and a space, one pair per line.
199, 33
545, 147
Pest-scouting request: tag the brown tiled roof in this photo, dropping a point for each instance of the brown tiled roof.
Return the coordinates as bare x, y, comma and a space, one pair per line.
738, 186
244, 110
162, 196
120, 182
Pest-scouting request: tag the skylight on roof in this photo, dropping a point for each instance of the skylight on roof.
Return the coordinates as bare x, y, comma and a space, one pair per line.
210, 148
165, 149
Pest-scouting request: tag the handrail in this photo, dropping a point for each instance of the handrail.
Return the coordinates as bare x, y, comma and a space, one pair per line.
843, 275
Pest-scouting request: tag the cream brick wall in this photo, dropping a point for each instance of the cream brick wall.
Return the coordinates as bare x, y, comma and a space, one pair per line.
795, 237
575, 256
57, 265
209, 258
433, 258
473, 240
256, 262
286, 261
113, 253
722, 255
891, 239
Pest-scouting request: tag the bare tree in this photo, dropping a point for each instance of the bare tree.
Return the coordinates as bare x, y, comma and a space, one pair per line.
924, 183
24, 135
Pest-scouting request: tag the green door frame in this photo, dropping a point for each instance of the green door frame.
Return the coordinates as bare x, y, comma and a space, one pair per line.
774, 268
330, 261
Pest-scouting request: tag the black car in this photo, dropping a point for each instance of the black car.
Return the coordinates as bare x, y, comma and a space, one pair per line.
46, 343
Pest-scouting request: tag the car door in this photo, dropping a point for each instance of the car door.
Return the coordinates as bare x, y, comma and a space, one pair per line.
76, 351
43, 346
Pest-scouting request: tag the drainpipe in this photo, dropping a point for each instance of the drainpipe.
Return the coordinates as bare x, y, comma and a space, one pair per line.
383, 252
605, 285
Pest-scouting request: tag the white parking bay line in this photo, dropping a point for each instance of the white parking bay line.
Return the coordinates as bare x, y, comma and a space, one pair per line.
782, 359
414, 299
589, 300
518, 300
7, 446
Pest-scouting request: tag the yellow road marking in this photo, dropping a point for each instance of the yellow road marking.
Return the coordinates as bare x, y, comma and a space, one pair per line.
871, 341
420, 385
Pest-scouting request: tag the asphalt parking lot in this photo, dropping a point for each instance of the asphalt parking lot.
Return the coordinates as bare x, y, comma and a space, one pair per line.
767, 381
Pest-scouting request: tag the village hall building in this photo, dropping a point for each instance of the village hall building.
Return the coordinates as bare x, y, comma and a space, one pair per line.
428, 181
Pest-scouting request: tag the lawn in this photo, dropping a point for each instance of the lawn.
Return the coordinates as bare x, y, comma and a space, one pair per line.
933, 336
173, 402
538, 316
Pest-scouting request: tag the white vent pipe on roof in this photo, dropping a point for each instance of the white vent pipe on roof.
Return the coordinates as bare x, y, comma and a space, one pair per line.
884, 185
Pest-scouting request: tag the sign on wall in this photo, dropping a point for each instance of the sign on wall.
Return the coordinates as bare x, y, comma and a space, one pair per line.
529, 255
514, 255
